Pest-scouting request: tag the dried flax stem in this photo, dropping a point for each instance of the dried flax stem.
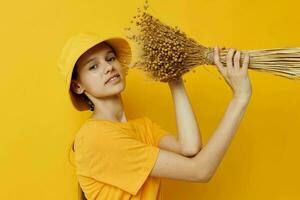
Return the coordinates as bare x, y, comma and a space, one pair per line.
283, 62
168, 53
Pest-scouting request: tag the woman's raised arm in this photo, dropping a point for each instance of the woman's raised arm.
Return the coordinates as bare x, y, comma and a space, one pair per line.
188, 132
202, 167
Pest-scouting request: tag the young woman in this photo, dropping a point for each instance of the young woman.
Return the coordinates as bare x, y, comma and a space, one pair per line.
120, 158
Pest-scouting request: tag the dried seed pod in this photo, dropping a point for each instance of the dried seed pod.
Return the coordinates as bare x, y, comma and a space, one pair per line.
169, 52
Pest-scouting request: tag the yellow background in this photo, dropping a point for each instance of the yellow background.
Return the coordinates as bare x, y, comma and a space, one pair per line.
38, 122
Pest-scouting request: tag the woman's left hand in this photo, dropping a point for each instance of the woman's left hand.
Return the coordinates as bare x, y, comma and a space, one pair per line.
235, 75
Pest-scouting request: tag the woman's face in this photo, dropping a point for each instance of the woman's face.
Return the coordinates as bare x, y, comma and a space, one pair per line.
94, 69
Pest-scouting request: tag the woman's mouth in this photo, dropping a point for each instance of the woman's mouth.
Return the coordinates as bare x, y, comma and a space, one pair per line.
114, 79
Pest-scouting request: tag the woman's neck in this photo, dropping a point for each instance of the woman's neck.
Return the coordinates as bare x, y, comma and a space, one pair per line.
109, 109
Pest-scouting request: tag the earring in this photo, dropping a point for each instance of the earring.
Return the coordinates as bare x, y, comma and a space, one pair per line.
91, 105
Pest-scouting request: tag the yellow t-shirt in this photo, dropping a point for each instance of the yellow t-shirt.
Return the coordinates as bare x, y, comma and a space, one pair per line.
114, 159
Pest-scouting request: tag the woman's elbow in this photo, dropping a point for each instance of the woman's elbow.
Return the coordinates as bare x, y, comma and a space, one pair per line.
204, 178
191, 152
202, 174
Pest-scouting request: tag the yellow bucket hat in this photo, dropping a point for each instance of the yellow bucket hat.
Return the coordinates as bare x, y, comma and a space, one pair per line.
76, 46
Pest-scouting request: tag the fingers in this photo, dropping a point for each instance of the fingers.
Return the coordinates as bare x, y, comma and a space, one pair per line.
233, 61
217, 60
237, 58
229, 58
246, 62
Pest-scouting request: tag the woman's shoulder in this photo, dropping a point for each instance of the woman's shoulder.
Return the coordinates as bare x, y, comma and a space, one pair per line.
90, 133
91, 128
94, 127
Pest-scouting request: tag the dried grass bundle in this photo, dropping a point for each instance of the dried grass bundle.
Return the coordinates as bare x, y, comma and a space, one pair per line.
168, 53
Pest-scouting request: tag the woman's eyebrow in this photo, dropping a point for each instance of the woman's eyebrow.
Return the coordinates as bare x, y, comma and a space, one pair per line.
91, 59
110, 51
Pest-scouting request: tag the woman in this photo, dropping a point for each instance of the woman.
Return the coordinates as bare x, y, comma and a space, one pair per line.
117, 158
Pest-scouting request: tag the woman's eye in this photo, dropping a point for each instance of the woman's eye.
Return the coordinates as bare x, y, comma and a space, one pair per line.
93, 67
111, 59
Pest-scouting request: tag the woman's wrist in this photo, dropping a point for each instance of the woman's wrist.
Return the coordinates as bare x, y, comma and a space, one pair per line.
241, 99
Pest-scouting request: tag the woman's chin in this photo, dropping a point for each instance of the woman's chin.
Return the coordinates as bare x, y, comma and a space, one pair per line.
117, 88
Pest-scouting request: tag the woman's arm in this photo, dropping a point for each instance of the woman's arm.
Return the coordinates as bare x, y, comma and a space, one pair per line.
237, 78
213, 152
189, 137
202, 167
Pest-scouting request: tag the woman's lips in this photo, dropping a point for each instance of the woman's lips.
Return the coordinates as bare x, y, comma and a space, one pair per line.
114, 79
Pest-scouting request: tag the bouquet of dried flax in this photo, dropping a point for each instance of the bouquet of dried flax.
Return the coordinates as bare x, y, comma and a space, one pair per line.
168, 53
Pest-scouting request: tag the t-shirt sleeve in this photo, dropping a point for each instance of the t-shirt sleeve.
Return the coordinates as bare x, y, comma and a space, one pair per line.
117, 159
157, 130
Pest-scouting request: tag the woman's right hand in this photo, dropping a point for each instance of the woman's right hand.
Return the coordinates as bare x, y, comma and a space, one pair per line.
235, 75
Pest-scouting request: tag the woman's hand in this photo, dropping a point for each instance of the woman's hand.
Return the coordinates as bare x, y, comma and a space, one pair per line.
235, 75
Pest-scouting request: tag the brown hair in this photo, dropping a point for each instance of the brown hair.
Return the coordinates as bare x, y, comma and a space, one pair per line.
91, 106
88, 101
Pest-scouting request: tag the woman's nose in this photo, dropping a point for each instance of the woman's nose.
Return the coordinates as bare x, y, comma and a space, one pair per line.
108, 67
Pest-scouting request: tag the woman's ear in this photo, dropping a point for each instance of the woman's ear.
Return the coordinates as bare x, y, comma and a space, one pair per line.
75, 87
